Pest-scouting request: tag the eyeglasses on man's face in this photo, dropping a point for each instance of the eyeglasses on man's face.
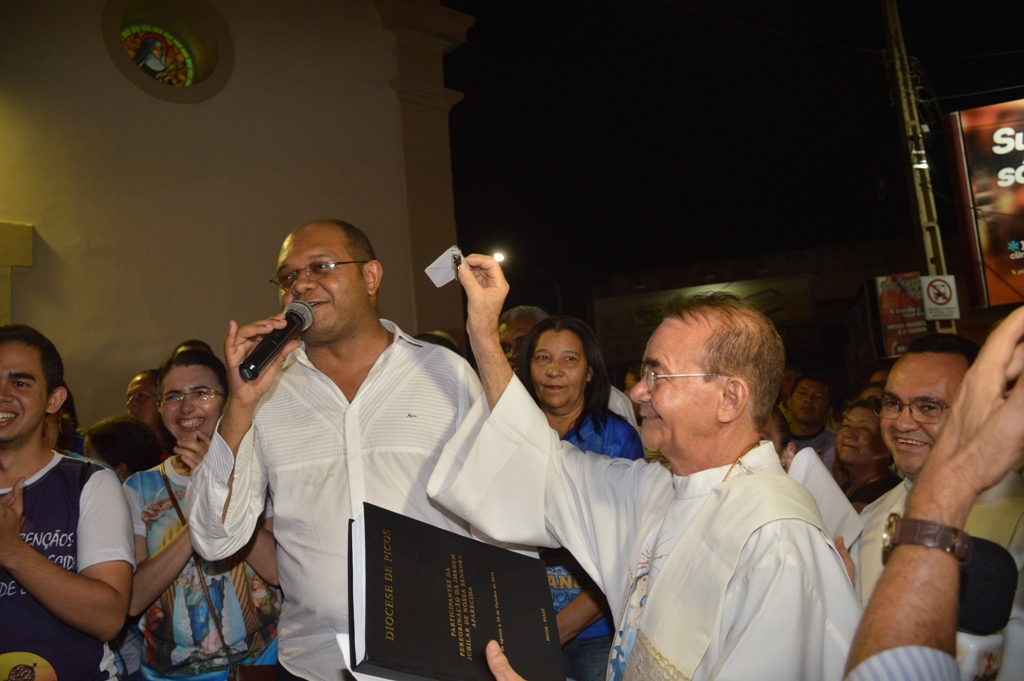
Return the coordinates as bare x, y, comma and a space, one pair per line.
922, 411
314, 270
650, 378
177, 398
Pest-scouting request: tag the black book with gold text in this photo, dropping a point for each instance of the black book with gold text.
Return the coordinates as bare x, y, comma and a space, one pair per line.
424, 602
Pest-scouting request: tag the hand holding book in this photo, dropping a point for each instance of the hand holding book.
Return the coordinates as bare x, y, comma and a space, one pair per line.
498, 664
423, 601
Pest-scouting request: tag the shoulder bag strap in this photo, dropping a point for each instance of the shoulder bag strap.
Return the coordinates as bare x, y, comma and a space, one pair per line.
202, 576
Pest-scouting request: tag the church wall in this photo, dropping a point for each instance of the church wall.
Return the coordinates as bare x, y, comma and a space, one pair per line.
158, 221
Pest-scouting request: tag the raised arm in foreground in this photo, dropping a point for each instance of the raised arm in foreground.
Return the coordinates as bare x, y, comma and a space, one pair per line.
486, 289
915, 602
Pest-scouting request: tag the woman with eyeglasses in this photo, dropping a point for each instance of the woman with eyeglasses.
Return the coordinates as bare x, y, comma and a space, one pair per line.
200, 619
562, 368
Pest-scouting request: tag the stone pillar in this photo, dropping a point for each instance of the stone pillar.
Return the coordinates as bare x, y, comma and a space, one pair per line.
424, 32
15, 251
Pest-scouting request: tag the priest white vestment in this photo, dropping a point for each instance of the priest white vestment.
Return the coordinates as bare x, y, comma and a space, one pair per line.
744, 583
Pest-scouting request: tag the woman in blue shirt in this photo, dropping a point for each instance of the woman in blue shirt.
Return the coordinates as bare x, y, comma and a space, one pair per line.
562, 369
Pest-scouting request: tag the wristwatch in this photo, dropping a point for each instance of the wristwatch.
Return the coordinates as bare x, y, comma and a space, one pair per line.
925, 533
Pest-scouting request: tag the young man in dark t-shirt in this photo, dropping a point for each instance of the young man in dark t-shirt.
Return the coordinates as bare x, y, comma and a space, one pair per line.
65, 533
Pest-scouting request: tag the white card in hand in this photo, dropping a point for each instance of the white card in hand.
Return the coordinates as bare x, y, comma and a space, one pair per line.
442, 270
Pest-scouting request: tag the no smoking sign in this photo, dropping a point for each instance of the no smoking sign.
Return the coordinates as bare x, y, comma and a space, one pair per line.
940, 301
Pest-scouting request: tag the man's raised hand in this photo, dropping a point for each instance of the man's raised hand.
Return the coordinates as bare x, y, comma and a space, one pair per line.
984, 435
486, 289
245, 395
238, 343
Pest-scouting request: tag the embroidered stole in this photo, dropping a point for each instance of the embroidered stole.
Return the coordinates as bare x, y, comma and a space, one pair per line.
684, 605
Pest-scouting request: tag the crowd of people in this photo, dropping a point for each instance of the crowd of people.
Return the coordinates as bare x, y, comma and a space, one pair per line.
726, 519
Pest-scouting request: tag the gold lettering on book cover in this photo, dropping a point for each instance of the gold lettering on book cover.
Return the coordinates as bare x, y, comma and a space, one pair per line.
497, 611
461, 606
389, 589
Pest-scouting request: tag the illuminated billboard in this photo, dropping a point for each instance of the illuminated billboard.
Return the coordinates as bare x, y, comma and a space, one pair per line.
987, 153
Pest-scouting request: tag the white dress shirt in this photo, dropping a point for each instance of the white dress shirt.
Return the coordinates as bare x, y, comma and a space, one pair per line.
321, 457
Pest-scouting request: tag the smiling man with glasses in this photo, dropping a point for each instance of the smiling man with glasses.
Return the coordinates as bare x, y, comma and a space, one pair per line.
912, 411
359, 412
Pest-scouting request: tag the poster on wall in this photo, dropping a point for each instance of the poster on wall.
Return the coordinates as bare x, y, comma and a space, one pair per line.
987, 151
900, 310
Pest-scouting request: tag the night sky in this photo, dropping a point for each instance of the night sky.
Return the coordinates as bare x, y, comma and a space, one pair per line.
601, 137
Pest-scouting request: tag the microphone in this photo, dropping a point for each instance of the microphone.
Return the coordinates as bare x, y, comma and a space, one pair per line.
987, 585
299, 316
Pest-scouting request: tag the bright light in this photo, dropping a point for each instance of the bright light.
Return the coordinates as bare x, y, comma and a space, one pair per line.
499, 256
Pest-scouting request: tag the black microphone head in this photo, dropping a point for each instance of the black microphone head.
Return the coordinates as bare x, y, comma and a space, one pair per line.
303, 310
987, 585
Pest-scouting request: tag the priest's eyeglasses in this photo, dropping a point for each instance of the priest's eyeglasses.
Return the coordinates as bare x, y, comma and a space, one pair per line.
314, 270
651, 378
922, 411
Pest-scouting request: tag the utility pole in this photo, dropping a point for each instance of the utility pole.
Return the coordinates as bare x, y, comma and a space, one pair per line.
918, 173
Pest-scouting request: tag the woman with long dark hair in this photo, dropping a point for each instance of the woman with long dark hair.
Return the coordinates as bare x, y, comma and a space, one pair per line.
563, 370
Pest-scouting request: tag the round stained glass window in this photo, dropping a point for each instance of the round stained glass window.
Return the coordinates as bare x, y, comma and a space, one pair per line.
184, 44
159, 55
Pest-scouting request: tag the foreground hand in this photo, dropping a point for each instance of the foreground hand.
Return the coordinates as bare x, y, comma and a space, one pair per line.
192, 452
984, 435
499, 665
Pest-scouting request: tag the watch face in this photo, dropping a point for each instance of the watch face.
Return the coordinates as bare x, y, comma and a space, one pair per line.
887, 535
924, 533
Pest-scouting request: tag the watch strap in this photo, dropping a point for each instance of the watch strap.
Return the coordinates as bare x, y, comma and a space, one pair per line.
926, 533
